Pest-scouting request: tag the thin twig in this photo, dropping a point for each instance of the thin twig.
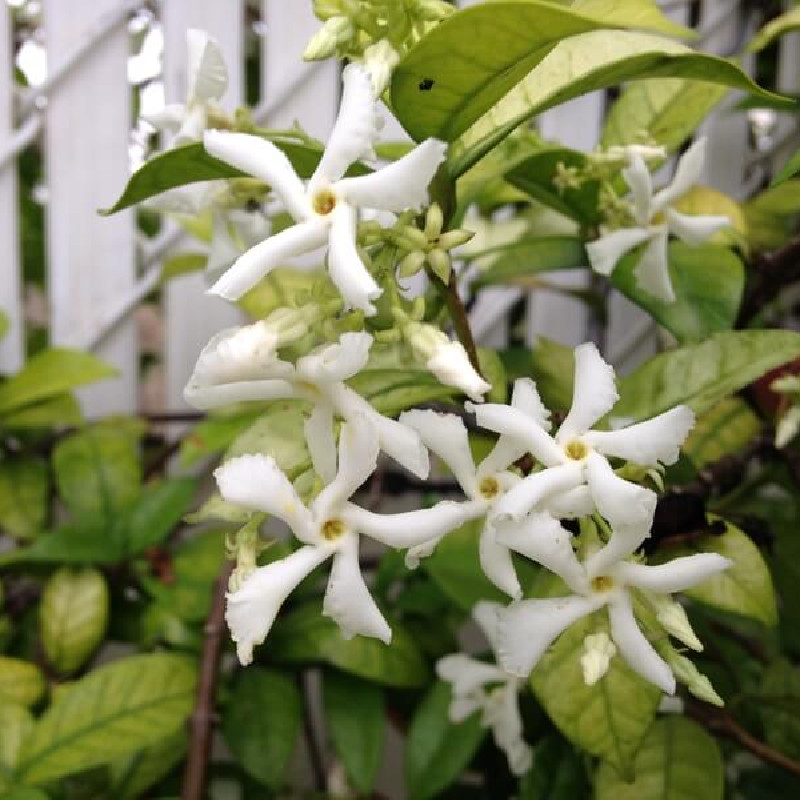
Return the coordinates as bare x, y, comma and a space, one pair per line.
460, 320
314, 753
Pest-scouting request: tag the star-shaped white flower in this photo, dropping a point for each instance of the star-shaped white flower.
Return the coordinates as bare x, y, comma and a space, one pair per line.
242, 364
578, 456
488, 688
328, 528
652, 269
528, 627
207, 76
326, 211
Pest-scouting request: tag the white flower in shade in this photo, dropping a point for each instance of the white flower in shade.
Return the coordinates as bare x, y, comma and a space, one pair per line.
528, 627
488, 688
208, 79
578, 456
326, 210
652, 269
328, 528
485, 485
242, 364
598, 650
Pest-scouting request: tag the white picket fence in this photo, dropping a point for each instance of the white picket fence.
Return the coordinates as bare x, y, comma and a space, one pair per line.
98, 269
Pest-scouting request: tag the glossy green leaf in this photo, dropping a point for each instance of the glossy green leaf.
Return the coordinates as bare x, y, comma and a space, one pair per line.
779, 706
16, 723
305, 635
678, 760
437, 750
117, 709
701, 375
157, 511
789, 170
24, 488
557, 772
261, 723
73, 616
213, 435
785, 23
21, 681
724, 429
356, 719
133, 775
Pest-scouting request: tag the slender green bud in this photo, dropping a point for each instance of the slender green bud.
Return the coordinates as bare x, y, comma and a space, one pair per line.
410, 238
433, 221
434, 10
411, 264
323, 44
451, 239
694, 680
440, 264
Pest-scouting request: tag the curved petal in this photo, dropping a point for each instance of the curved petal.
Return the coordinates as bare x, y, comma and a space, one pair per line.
192, 127
542, 539
577, 502
637, 176
504, 453
687, 174
261, 158
205, 396
634, 647
414, 555
463, 706
169, 118
652, 269
605, 252
674, 576
348, 601
529, 627
450, 364
537, 488
624, 541
208, 75
526, 398
399, 186
694, 229
321, 441
256, 482
446, 436
466, 674
594, 393
647, 443
338, 361
622, 503
348, 273
506, 725
261, 259
354, 131
496, 562
223, 250
252, 609
487, 617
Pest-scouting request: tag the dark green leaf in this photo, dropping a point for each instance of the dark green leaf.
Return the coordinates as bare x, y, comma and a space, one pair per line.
557, 772
24, 488
780, 707
133, 775
157, 511
214, 435
789, 170
71, 544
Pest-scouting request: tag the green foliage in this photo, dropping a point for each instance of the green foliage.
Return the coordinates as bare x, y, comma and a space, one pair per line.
557, 772
24, 487
723, 430
20, 682
789, 170
16, 723
779, 706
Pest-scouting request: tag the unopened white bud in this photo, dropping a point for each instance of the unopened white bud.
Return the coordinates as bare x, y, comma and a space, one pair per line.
335, 32
673, 619
380, 59
598, 650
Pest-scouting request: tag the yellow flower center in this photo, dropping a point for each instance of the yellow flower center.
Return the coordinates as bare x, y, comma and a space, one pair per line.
332, 529
489, 488
602, 583
324, 202
576, 450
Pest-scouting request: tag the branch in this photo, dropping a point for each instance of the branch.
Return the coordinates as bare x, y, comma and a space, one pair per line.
775, 271
460, 319
201, 723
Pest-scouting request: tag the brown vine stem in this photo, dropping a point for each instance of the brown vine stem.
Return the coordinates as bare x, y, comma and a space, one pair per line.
774, 271
202, 719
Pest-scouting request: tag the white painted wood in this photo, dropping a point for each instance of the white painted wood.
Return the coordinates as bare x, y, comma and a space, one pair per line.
192, 316
90, 258
12, 345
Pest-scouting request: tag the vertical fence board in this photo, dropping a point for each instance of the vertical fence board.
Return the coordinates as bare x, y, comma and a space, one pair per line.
192, 316
12, 345
90, 258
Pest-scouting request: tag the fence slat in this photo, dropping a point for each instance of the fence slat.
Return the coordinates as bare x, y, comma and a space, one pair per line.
12, 345
90, 258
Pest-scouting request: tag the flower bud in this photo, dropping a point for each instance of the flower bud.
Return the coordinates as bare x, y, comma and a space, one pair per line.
410, 238
451, 239
380, 59
694, 680
440, 264
336, 31
672, 617
598, 650
411, 264
433, 221
434, 10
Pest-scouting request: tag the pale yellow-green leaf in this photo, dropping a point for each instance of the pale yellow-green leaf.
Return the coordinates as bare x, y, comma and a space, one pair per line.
642, 14
24, 484
785, 23
16, 723
724, 429
20, 681
707, 201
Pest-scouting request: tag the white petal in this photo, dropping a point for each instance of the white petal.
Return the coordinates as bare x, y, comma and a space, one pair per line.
192, 127
694, 229
542, 539
624, 541
208, 75
348, 600
261, 158
414, 555
261, 259
487, 616
594, 393
223, 250
675, 575
575, 503
507, 730
529, 627
637, 176
537, 488
355, 130
446, 436
521, 428
338, 361
205, 396
526, 398
401, 185
411, 528
504, 453
256, 482
251, 610
347, 271
622, 503
169, 118
321, 441
451, 365
652, 269
647, 443
466, 673
687, 174
497, 564
605, 252
634, 647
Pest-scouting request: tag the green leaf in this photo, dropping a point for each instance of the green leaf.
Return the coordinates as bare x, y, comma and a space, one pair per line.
110, 713
789, 170
70, 544
557, 772
262, 721
640, 14
56, 411
214, 435
678, 760
779, 706
305, 635
182, 264
703, 374
785, 23
51, 372
20, 681
666, 110
283, 286
24, 793
157, 511
553, 367
24, 489
16, 723
391, 391
133, 775
356, 718
5, 324
437, 751
726, 428
73, 616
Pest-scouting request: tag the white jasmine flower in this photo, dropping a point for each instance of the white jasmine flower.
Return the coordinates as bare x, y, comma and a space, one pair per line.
328, 528
598, 650
380, 59
241, 364
578, 456
326, 210
208, 79
528, 627
488, 688
652, 269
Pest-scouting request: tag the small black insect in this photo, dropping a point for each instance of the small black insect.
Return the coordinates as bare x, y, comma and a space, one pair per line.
426, 85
